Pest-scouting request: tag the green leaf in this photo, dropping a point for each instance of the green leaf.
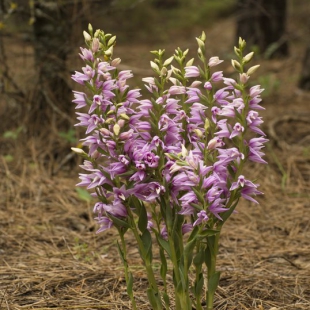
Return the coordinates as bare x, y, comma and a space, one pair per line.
166, 299
199, 258
199, 285
151, 294
163, 267
142, 223
193, 234
121, 253
213, 282
199, 195
147, 244
226, 215
118, 222
207, 233
165, 245
83, 194
129, 284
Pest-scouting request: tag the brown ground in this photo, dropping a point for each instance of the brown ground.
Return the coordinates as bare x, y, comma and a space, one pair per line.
50, 257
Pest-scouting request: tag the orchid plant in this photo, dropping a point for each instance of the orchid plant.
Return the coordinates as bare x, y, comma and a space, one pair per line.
169, 167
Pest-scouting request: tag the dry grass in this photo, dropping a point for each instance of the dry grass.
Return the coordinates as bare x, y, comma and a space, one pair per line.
51, 258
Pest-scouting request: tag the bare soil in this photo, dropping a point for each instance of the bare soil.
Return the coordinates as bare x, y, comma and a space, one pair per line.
51, 258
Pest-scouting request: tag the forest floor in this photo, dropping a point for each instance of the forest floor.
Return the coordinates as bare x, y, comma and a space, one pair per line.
51, 258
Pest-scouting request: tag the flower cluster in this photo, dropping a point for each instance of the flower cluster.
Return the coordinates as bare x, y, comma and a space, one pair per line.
173, 162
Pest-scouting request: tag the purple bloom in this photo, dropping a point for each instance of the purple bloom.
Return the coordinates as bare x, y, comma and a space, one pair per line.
217, 207
202, 217
255, 145
191, 71
237, 130
217, 76
80, 99
214, 61
247, 188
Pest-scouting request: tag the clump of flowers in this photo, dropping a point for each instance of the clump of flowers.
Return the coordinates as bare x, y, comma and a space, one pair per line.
168, 168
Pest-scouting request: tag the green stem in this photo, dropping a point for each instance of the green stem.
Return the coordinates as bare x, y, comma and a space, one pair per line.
212, 269
127, 273
148, 267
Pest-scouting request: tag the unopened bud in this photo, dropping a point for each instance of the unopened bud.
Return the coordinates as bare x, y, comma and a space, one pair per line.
105, 131
109, 51
97, 32
237, 51
201, 44
111, 41
207, 125
86, 35
95, 45
242, 43
184, 151
185, 52
248, 57
252, 70
235, 64
154, 66
121, 123
124, 116
198, 132
116, 129
115, 62
168, 61
163, 71
110, 112
244, 78
203, 37
190, 62
109, 120
90, 29
78, 151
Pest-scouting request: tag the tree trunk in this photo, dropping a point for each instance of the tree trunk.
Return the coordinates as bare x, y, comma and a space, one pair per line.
262, 24
51, 104
304, 82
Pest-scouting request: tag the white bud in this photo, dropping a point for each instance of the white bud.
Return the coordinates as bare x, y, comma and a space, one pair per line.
90, 28
163, 71
168, 61
116, 129
109, 51
235, 64
252, 70
184, 151
203, 37
190, 62
111, 41
154, 66
97, 32
87, 36
124, 116
248, 57
201, 44
78, 151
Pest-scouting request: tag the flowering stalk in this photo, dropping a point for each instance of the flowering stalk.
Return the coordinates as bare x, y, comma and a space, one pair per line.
170, 165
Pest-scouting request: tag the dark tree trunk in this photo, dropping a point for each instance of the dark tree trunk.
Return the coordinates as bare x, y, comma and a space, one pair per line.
262, 23
304, 82
51, 103
166, 4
